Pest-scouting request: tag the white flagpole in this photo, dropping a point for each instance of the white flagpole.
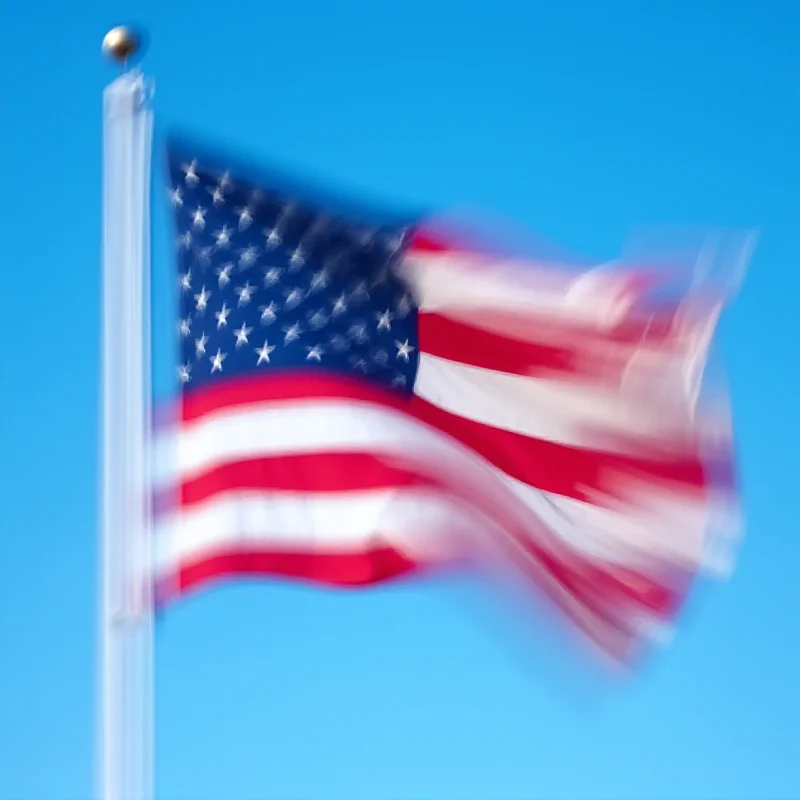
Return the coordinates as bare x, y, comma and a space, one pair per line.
126, 622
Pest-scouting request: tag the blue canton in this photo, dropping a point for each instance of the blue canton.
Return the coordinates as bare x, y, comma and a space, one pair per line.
268, 283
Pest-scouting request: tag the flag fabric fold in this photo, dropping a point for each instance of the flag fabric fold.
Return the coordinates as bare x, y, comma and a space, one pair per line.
366, 398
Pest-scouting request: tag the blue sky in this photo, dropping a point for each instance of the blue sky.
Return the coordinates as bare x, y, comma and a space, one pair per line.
579, 120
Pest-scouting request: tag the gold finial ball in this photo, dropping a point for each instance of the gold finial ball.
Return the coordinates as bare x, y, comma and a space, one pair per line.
120, 44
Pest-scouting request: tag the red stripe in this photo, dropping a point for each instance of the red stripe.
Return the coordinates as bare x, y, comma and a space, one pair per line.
599, 592
552, 467
317, 472
659, 328
293, 387
332, 569
357, 471
557, 468
453, 240
339, 569
566, 469
525, 351
449, 338
643, 324
425, 242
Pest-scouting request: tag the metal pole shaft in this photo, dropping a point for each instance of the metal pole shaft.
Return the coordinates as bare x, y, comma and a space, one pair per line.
126, 614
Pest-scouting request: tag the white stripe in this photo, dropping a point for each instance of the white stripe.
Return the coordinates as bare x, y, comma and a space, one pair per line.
347, 522
530, 303
414, 522
278, 428
648, 388
653, 524
657, 528
566, 412
463, 281
291, 427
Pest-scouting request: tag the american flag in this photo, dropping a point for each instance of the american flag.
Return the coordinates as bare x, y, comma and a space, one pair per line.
362, 399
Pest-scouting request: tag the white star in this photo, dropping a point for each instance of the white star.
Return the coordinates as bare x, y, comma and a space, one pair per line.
224, 273
319, 280
190, 171
186, 327
272, 276
222, 316
245, 217
200, 346
275, 233
403, 306
314, 353
318, 226
264, 351
338, 342
204, 254
283, 218
199, 218
292, 333
333, 262
293, 298
218, 192
360, 292
248, 256
225, 181
380, 278
184, 371
399, 379
223, 236
186, 281
185, 240
404, 349
359, 363
245, 293
340, 306
297, 260
216, 361
242, 334
201, 300
384, 320
317, 319
273, 237
217, 196
365, 239
358, 332
176, 197
381, 357
268, 314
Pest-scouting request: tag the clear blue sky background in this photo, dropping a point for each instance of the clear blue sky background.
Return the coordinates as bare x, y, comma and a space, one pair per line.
579, 120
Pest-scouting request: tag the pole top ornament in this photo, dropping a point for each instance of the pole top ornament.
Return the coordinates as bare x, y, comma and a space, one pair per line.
120, 44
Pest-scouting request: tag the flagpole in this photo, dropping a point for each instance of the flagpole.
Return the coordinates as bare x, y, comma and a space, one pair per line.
125, 746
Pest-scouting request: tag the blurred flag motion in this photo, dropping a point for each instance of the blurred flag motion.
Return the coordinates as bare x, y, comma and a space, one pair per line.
365, 396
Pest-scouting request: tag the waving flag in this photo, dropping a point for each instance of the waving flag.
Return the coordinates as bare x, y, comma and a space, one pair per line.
362, 398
